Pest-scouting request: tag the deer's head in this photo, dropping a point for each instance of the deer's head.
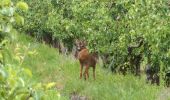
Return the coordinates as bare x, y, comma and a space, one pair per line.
80, 45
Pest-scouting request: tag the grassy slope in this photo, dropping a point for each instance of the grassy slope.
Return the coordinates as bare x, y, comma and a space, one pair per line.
49, 66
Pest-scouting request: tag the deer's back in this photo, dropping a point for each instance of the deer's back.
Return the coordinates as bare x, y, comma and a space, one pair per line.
87, 58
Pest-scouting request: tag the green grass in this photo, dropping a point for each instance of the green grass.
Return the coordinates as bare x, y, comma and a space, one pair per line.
49, 66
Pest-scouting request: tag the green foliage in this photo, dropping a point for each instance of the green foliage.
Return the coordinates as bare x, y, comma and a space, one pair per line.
150, 20
14, 77
49, 66
108, 26
22, 5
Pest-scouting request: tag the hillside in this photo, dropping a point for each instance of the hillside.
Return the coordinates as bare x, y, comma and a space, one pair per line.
130, 37
49, 66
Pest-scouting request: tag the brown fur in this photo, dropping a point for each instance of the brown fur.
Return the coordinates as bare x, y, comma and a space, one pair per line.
86, 60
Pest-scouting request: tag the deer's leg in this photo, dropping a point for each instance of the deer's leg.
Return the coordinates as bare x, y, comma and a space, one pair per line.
81, 69
94, 72
86, 72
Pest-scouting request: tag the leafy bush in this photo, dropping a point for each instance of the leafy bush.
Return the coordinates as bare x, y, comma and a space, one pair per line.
108, 26
14, 78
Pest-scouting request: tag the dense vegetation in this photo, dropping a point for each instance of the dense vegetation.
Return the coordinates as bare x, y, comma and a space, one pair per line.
15, 78
120, 31
64, 71
110, 27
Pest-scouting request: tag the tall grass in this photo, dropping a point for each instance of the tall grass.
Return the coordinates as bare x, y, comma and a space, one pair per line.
49, 66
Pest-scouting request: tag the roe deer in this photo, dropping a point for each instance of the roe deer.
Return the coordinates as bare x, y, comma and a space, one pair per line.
86, 59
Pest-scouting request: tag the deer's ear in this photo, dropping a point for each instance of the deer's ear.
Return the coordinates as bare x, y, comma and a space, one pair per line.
84, 42
76, 41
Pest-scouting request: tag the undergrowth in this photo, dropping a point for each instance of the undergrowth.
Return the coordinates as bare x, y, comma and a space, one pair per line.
50, 66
